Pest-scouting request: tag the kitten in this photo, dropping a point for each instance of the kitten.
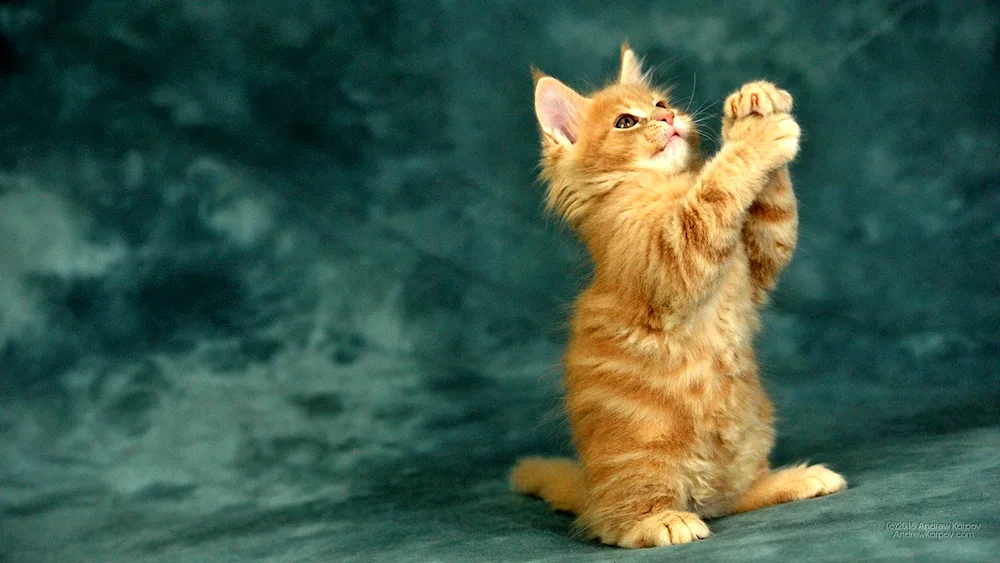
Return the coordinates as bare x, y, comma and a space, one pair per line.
668, 414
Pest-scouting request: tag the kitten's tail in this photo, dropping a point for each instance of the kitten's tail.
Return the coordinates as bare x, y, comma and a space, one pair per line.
557, 480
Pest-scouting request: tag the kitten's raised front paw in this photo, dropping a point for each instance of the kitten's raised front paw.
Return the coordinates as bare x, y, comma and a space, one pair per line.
774, 138
665, 528
760, 98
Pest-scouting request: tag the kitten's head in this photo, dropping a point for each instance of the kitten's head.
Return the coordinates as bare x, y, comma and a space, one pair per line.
592, 143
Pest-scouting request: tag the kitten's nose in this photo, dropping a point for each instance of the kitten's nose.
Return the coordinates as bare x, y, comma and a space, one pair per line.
664, 115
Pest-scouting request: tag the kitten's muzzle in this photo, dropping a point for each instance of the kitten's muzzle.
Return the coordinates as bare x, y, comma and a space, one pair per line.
663, 132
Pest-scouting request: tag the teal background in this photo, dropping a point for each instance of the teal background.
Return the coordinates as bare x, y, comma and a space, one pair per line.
276, 283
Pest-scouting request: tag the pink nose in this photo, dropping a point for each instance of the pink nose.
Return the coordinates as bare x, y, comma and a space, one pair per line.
664, 115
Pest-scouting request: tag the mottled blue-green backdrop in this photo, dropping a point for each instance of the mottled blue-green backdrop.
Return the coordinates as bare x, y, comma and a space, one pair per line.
276, 283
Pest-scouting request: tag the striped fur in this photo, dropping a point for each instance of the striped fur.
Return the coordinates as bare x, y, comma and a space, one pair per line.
669, 418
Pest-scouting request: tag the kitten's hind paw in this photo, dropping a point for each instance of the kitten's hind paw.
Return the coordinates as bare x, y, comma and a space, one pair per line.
820, 481
665, 528
791, 484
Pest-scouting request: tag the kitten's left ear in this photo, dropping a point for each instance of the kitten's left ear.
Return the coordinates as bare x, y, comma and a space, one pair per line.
631, 67
559, 110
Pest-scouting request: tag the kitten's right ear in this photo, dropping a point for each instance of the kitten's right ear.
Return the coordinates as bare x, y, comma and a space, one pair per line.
536, 75
631, 67
559, 110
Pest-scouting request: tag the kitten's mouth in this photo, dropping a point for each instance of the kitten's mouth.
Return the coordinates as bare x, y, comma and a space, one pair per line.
673, 139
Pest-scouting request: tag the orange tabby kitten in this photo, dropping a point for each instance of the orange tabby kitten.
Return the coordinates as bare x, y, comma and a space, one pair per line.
668, 414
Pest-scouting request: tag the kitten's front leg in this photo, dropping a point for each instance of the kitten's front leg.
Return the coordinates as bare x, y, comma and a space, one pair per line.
771, 230
709, 222
715, 211
754, 104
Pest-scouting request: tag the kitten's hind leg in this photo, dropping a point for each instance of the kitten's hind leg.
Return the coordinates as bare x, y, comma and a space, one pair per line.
790, 484
558, 481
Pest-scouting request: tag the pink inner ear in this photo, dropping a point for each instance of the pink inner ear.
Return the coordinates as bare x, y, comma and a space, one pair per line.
557, 110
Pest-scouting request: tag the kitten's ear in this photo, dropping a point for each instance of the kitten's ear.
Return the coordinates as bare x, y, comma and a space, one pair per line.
536, 74
631, 68
559, 110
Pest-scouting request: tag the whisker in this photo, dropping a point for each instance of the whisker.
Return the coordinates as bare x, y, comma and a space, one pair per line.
707, 105
667, 63
699, 114
709, 134
694, 85
656, 68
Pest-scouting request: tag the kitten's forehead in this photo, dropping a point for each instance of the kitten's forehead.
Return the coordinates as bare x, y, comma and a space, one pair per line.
618, 97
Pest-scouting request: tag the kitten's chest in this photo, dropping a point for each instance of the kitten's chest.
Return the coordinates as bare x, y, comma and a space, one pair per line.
719, 332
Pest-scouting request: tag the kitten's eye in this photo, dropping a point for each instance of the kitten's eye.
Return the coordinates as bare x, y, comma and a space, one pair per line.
626, 122
661, 105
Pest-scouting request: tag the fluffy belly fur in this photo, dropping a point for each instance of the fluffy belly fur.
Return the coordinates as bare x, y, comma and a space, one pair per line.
674, 410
